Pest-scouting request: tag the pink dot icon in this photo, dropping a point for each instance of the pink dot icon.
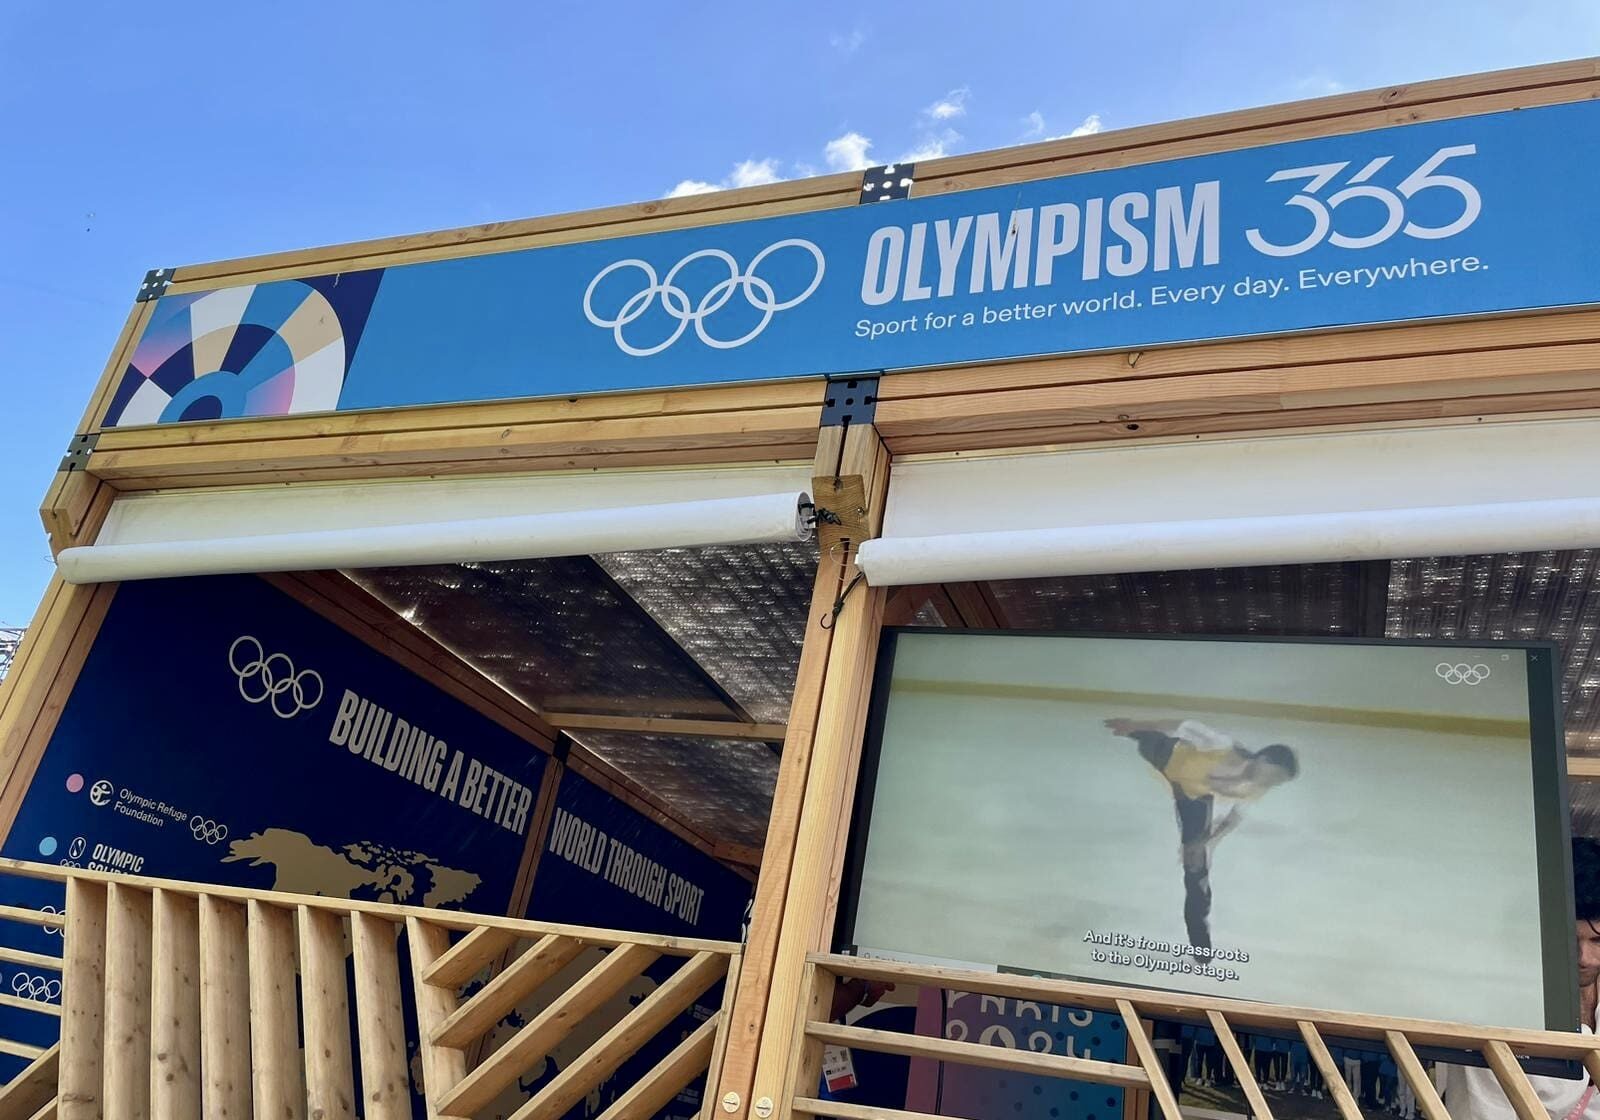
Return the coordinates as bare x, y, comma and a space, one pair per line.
74, 783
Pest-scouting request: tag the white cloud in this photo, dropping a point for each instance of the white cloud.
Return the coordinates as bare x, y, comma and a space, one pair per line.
848, 44
1318, 85
950, 106
745, 173
1035, 123
692, 186
933, 147
1091, 125
755, 173
848, 152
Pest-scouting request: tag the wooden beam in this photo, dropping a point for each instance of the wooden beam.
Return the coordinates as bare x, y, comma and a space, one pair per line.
815, 751
224, 1009
469, 956
325, 1016
35, 1087
668, 1077
501, 995
380, 1020
277, 1074
37, 960
545, 1030
175, 1023
1156, 1072
1405, 1057
83, 1002
605, 1055
128, 965
981, 1054
442, 1067
1240, 1065
680, 728
1514, 1082
1332, 1078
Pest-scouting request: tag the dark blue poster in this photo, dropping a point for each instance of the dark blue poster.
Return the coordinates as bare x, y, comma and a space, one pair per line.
605, 864
221, 732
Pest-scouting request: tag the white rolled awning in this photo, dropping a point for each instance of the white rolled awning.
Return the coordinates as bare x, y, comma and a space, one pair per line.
1326, 497
357, 525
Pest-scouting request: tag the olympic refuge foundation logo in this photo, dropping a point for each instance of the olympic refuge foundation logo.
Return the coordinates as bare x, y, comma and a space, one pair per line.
272, 679
683, 308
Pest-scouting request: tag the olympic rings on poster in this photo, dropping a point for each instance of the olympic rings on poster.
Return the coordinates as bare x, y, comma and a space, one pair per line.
273, 678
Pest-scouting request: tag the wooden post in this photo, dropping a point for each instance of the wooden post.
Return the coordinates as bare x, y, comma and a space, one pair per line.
380, 1019
798, 887
83, 999
127, 1054
175, 1008
277, 1076
325, 1016
224, 1010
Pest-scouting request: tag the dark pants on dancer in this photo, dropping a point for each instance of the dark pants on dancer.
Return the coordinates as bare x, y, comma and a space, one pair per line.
1194, 831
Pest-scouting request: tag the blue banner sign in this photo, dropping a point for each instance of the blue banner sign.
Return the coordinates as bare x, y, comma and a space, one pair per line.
1470, 216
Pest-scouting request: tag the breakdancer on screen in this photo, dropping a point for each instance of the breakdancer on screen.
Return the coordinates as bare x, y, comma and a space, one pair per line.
1204, 767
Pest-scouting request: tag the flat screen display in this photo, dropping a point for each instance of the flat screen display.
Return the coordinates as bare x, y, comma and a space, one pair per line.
1378, 827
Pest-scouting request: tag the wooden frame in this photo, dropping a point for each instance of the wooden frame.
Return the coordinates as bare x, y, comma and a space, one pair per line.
1536, 364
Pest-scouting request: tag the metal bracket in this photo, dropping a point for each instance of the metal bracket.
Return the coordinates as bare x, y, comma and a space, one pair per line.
841, 508
155, 284
850, 400
887, 183
78, 449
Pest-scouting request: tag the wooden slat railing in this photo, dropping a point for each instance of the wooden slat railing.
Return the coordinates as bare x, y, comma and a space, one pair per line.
186, 1000
1501, 1048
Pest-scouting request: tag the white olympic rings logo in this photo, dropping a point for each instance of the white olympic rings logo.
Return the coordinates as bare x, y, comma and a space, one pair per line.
676, 303
210, 831
1462, 673
272, 677
36, 988
54, 930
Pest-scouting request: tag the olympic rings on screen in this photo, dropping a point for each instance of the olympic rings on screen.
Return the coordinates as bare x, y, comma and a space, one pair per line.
676, 302
209, 831
36, 988
273, 678
1462, 673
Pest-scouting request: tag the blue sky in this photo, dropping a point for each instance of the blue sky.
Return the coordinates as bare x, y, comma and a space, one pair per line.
170, 133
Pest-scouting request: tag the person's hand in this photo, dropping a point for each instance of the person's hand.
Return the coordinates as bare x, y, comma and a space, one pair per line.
850, 994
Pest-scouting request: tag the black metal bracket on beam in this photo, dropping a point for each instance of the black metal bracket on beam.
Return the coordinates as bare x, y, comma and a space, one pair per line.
78, 449
155, 284
850, 400
887, 183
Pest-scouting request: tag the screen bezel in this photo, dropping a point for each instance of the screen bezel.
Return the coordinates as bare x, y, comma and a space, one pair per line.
1547, 758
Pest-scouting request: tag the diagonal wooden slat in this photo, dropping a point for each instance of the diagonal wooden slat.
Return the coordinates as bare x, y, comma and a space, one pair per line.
606, 1055
175, 1008
83, 1001
1421, 1084
38, 1006
656, 1089
1160, 1087
35, 1086
277, 1077
325, 1016
546, 1029
380, 1020
1514, 1081
127, 1055
467, 957
500, 996
1332, 1079
47, 1111
1241, 1065
442, 1066
30, 917
224, 1010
